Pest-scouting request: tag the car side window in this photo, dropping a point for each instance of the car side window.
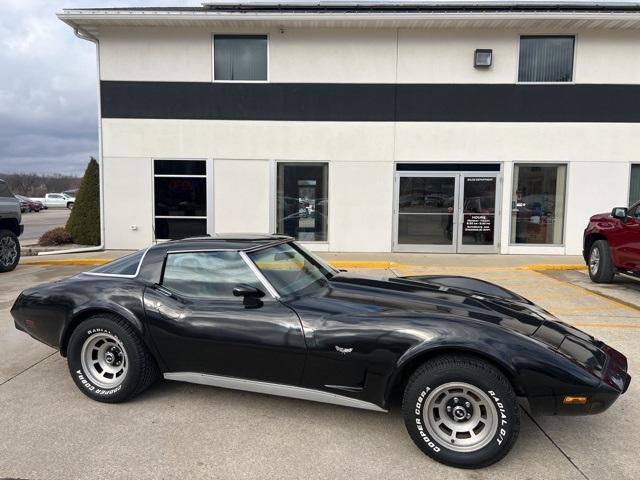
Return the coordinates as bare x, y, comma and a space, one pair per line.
4, 190
207, 275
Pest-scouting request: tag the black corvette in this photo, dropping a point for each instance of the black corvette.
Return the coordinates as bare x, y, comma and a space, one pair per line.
259, 313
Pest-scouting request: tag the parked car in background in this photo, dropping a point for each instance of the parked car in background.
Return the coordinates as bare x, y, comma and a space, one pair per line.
611, 243
56, 200
24, 205
10, 228
29, 205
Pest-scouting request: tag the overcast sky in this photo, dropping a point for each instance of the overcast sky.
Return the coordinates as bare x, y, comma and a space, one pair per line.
48, 91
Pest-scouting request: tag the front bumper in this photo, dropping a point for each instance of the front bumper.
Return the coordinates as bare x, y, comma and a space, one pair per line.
20, 229
615, 381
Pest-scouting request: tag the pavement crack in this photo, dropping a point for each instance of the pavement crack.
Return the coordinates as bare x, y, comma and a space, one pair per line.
28, 368
584, 475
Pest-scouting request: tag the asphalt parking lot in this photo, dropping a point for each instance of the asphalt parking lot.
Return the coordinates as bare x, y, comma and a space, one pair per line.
50, 430
35, 224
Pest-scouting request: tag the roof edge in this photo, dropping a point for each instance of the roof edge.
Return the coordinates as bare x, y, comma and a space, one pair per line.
417, 4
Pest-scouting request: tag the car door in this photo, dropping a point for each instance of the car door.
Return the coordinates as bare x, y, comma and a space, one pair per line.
198, 325
628, 240
331, 319
54, 200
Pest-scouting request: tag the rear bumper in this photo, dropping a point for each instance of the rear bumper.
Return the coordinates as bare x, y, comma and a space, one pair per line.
615, 382
20, 229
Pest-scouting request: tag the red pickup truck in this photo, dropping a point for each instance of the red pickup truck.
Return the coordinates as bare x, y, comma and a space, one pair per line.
611, 243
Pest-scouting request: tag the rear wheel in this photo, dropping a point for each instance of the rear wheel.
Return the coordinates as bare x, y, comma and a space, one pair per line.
601, 269
461, 411
9, 250
108, 360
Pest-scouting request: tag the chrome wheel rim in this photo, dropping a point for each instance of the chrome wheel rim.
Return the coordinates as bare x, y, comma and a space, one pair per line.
8, 251
104, 360
594, 261
461, 417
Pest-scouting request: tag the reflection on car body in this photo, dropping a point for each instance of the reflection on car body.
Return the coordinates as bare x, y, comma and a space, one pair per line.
260, 313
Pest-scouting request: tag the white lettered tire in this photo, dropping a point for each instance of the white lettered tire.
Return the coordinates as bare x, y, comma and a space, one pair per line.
461, 411
108, 361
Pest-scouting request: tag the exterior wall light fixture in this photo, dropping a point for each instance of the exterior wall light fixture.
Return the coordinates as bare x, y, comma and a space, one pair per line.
483, 58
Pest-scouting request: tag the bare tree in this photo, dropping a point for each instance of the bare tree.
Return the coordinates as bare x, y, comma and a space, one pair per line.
37, 185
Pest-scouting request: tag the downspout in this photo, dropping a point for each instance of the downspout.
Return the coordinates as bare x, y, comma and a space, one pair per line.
86, 36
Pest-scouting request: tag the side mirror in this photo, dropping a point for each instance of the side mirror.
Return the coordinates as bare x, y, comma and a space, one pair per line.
244, 290
250, 295
619, 212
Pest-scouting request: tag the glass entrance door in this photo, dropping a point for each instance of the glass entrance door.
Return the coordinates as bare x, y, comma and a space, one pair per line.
446, 212
477, 212
426, 211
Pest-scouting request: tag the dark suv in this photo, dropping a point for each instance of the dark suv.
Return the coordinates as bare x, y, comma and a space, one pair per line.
612, 243
10, 229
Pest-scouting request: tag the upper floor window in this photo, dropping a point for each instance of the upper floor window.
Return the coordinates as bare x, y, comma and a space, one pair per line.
240, 58
546, 58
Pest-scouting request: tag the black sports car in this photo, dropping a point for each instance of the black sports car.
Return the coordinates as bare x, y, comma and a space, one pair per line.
260, 313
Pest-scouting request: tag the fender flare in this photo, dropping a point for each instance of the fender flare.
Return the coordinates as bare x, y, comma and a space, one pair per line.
85, 311
427, 350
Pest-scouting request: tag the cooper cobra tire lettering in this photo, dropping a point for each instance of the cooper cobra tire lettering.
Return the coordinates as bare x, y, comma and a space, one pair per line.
93, 388
419, 426
493, 388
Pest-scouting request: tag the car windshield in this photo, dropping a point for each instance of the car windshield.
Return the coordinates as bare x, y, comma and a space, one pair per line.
292, 270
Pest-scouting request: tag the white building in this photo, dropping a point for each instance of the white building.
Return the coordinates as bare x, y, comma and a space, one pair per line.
435, 126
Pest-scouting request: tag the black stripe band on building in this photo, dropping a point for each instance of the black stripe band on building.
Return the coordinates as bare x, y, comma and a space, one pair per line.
372, 102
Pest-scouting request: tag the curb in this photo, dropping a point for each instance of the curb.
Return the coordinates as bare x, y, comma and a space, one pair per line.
68, 262
356, 264
102, 261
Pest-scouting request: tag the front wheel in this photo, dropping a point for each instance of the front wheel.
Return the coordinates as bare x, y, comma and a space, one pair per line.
70, 205
108, 360
9, 250
461, 411
601, 269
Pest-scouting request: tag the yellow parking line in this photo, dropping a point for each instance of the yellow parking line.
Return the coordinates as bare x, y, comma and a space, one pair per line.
587, 293
552, 266
606, 325
593, 308
364, 264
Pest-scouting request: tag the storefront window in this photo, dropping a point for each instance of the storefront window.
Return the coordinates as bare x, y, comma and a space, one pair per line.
302, 201
634, 187
180, 193
538, 204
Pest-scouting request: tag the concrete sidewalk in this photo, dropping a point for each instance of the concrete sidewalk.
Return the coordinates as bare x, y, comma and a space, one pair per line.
242, 435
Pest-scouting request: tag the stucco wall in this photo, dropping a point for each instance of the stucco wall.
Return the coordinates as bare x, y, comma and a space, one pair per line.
362, 55
361, 154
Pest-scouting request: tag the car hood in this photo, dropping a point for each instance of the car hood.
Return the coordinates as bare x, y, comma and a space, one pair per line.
446, 297
435, 296
601, 216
